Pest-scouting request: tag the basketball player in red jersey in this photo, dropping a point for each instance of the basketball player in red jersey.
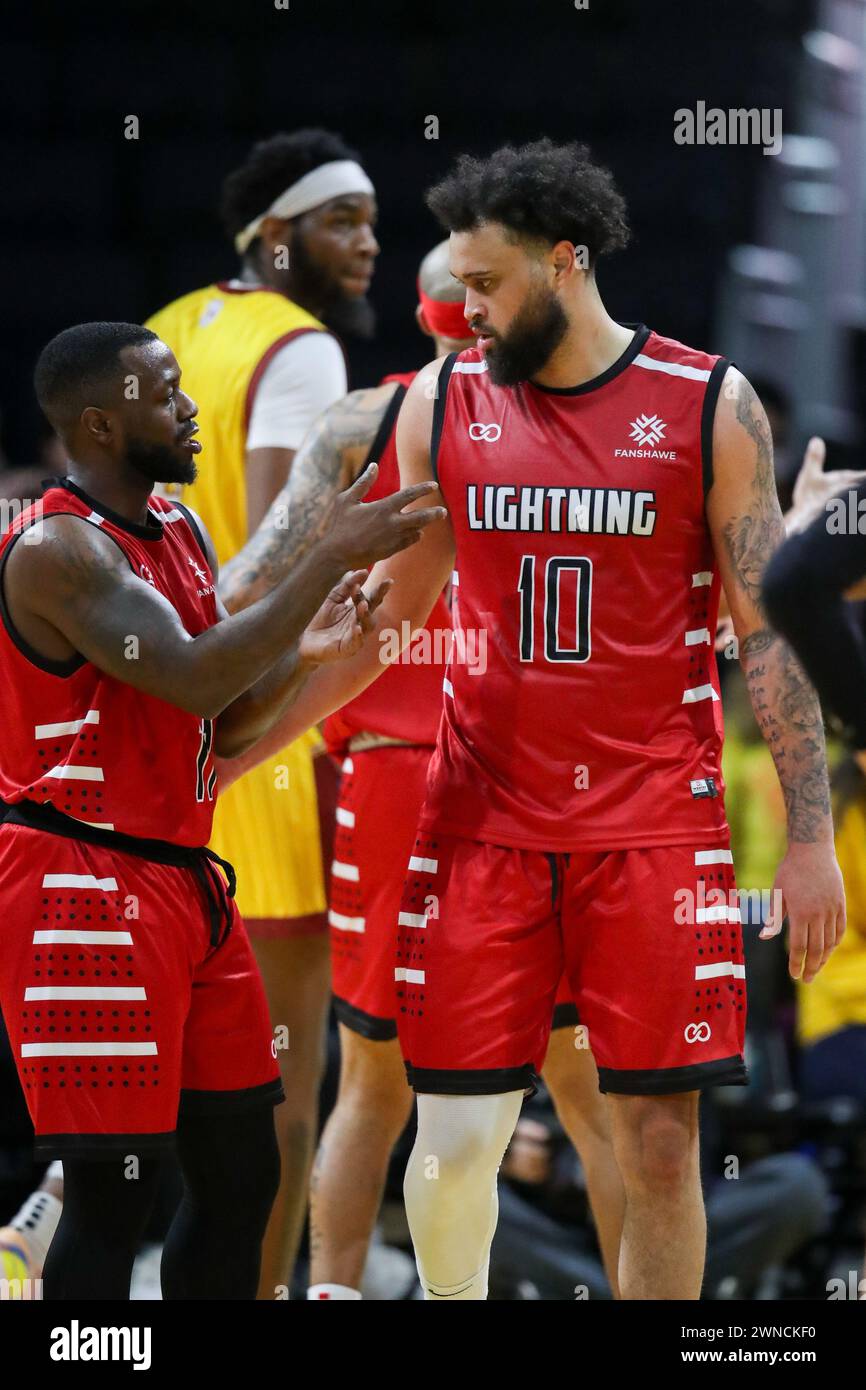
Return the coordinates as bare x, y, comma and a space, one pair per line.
601, 481
384, 740
133, 1004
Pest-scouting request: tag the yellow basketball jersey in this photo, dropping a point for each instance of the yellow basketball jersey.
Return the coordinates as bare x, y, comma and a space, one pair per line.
223, 337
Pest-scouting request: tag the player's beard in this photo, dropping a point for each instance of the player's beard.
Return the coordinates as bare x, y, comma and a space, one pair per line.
346, 315
535, 333
159, 463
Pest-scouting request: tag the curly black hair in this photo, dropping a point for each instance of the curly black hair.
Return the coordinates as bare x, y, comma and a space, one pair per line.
539, 191
271, 167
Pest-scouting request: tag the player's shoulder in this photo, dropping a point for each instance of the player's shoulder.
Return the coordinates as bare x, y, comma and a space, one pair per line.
674, 358
70, 554
431, 381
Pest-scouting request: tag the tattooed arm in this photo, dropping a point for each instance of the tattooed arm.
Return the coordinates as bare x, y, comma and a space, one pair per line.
417, 582
328, 461
746, 525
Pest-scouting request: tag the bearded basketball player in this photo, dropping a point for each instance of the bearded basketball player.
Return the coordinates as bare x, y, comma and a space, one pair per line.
258, 358
132, 1000
602, 482
384, 740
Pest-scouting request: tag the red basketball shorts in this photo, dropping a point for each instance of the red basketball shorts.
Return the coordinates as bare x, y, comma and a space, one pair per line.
118, 1009
649, 940
381, 795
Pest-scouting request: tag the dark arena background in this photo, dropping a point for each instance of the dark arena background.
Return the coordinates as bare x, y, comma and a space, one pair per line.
751, 247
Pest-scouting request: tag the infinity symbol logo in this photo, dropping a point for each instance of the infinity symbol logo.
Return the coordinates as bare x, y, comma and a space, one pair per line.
489, 433
697, 1032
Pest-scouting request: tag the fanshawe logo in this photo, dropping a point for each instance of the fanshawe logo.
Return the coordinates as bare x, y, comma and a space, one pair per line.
147, 575
489, 433
647, 431
200, 574
697, 1032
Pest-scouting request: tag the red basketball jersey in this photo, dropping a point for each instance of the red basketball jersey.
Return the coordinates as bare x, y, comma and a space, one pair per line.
406, 701
581, 704
90, 745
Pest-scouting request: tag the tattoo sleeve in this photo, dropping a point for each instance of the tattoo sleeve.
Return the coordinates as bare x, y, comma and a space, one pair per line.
785, 704
328, 461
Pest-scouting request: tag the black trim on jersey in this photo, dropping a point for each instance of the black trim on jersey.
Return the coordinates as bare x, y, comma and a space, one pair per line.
493, 1081
631, 352
725, 1071
708, 415
368, 1025
439, 409
63, 669
151, 531
565, 1016
231, 1102
105, 1146
195, 528
386, 425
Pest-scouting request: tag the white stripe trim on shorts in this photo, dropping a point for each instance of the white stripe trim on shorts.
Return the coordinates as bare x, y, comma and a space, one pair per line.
103, 885
342, 923
82, 992
412, 919
702, 578
67, 937
696, 635
428, 866
412, 977
106, 1049
345, 817
717, 914
349, 872
720, 970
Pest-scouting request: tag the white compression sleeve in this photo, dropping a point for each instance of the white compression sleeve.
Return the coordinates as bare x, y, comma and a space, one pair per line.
450, 1189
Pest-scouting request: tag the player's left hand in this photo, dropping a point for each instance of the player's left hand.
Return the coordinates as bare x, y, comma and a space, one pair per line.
814, 488
808, 891
343, 621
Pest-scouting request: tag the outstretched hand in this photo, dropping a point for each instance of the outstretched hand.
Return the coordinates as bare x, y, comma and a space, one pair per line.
345, 618
362, 532
814, 488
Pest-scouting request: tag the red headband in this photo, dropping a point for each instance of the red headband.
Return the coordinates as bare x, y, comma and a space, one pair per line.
447, 320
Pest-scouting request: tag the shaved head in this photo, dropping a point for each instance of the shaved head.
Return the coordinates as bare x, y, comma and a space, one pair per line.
435, 278
81, 367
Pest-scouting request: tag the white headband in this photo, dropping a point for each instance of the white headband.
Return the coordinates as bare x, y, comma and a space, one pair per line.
330, 180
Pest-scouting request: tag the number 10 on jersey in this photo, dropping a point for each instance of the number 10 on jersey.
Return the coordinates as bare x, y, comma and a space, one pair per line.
548, 591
